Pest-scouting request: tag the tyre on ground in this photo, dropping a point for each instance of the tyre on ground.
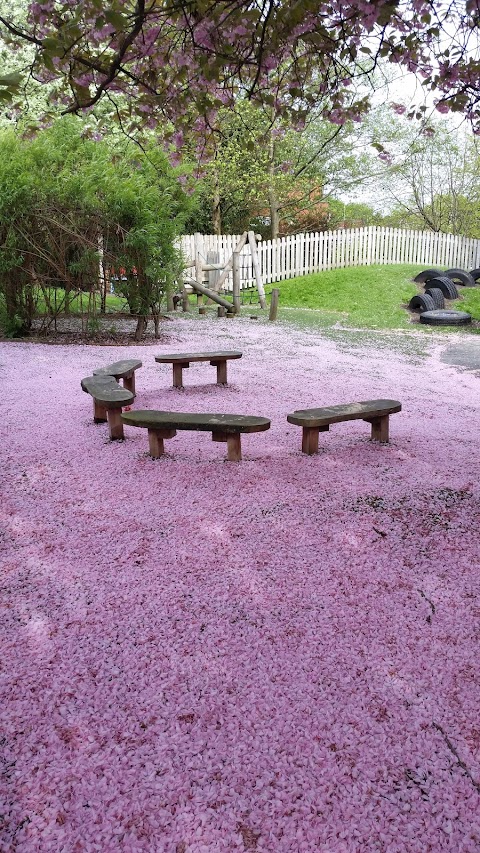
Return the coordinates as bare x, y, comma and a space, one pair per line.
421, 303
460, 277
426, 275
446, 285
475, 274
437, 296
446, 318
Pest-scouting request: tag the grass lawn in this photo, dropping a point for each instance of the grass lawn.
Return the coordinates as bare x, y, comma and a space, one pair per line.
83, 302
372, 297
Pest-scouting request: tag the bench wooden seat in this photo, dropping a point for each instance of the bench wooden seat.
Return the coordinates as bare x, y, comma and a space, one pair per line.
124, 369
314, 421
163, 425
181, 360
108, 399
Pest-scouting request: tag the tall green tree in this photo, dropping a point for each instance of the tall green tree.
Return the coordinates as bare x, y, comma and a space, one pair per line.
274, 178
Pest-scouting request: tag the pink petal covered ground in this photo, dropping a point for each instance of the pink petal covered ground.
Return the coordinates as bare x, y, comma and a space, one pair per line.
276, 655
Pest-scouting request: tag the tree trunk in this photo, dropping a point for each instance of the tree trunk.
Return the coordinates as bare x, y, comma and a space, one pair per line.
216, 209
272, 195
142, 323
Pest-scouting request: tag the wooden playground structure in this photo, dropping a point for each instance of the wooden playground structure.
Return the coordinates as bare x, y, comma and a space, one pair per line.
216, 276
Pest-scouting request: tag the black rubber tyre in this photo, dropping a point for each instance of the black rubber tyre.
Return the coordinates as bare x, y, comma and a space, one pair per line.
426, 275
475, 274
446, 285
421, 303
460, 277
446, 318
437, 296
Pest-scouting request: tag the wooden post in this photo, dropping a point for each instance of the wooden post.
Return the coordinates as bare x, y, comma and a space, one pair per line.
309, 440
155, 443
221, 371
199, 275
234, 447
185, 307
99, 412
213, 275
177, 375
170, 302
129, 382
236, 281
274, 304
221, 311
256, 267
115, 423
156, 438
380, 428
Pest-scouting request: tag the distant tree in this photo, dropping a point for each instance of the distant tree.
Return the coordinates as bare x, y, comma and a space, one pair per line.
431, 176
352, 215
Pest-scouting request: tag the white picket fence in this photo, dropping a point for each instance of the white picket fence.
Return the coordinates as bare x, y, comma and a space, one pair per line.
301, 254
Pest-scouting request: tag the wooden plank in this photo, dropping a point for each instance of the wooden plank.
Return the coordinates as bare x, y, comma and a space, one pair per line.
346, 412
210, 293
109, 394
221, 423
115, 424
187, 357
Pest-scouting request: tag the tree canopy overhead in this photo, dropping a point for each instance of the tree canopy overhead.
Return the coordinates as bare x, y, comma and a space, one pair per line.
180, 60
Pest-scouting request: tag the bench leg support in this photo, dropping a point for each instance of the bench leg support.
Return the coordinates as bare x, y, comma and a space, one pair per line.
234, 444
221, 371
99, 413
379, 428
310, 439
156, 438
129, 382
115, 424
177, 375
234, 448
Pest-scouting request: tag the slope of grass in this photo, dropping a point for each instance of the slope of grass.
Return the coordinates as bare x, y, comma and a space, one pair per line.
469, 301
367, 297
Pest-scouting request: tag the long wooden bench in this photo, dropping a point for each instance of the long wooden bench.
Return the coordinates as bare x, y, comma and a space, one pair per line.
181, 360
108, 399
163, 425
124, 369
314, 421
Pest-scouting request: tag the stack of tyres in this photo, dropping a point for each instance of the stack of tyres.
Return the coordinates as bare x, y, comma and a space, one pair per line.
440, 286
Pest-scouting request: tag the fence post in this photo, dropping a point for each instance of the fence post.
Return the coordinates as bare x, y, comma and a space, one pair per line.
274, 304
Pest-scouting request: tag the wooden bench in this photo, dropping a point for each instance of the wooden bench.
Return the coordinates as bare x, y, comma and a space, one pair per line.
182, 360
163, 425
108, 399
124, 369
314, 421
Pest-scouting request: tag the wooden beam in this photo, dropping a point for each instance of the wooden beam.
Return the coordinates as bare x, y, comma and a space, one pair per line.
256, 268
228, 265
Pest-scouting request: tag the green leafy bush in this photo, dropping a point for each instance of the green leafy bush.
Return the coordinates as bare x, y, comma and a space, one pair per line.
72, 210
